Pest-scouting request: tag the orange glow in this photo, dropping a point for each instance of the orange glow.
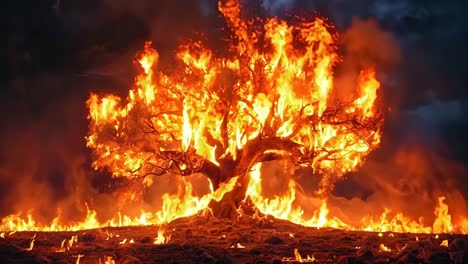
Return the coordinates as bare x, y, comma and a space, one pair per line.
107, 260
384, 248
443, 222
31, 245
444, 243
298, 258
400, 223
282, 206
275, 85
238, 245
192, 112
216, 106
78, 258
174, 206
161, 239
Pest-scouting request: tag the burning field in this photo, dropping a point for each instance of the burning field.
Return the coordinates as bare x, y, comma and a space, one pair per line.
258, 150
205, 239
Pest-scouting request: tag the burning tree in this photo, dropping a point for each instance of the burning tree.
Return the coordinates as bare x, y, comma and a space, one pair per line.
271, 98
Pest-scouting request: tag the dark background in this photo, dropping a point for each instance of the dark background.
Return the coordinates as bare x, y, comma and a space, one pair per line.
55, 52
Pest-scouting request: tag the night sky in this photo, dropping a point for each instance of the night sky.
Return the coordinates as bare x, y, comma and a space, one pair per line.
55, 52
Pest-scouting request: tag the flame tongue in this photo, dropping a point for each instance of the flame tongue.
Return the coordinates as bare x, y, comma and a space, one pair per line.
271, 97
273, 90
215, 105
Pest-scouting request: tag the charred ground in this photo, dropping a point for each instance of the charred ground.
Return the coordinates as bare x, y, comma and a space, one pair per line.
203, 239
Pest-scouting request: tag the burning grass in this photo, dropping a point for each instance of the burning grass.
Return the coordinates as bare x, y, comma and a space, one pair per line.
205, 239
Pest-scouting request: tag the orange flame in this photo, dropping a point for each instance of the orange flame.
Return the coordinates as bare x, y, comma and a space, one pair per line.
174, 206
276, 83
298, 258
401, 223
214, 106
384, 248
161, 239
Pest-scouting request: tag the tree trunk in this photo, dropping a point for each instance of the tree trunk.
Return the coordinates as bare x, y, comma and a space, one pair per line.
229, 204
252, 153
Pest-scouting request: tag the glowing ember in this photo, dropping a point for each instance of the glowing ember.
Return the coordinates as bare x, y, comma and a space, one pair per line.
444, 243
73, 239
64, 246
31, 245
107, 260
78, 257
384, 248
298, 258
238, 245
161, 239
